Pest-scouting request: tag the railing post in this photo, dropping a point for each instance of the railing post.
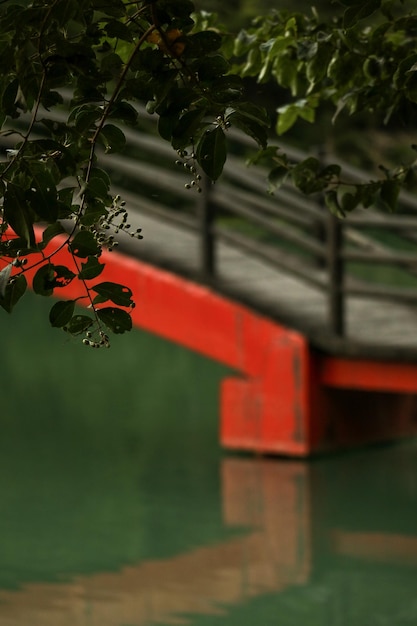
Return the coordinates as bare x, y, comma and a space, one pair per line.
320, 234
319, 227
205, 217
336, 269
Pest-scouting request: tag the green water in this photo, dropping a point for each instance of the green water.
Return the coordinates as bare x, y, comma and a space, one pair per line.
118, 508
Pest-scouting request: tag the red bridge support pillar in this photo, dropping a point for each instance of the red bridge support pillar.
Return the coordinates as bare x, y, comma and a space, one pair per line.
271, 411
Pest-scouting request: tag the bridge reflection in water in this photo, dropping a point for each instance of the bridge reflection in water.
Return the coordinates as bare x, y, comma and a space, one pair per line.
309, 544
117, 507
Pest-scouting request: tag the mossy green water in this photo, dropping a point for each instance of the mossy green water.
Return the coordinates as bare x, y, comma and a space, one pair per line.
88, 437
110, 458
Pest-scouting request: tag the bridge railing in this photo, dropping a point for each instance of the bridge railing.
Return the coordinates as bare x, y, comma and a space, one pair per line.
319, 248
288, 230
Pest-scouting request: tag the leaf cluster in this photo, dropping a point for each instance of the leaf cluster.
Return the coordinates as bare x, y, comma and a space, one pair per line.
363, 61
71, 74
341, 195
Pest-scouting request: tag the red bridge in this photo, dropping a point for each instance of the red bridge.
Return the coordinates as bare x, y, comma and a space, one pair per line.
288, 395
293, 299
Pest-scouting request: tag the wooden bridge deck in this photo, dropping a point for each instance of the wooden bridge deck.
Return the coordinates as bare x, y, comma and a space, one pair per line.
374, 328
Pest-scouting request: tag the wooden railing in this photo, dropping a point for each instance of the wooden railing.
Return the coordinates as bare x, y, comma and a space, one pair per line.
303, 237
288, 230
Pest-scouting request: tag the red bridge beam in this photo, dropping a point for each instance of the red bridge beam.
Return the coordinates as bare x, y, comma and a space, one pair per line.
369, 375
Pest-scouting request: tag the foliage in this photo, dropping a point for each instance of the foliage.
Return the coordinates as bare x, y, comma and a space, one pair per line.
364, 60
108, 55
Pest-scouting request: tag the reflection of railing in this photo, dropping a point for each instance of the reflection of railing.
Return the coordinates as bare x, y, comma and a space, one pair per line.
289, 231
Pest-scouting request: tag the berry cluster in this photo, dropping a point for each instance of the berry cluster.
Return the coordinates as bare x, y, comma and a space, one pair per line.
116, 220
188, 161
18, 261
102, 342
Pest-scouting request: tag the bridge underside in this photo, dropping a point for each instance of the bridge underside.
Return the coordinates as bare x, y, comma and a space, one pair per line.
286, 397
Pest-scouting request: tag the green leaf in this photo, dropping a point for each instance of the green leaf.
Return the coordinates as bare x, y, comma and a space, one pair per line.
119, 294
49, 276
389, 193
348, 202
287, 71
251, 111
115, 8
101, 174
332, 203
288, 115
118, 30
94, 210
316, 68
330, 172
306, 177
111, 64
360, 11
117, 320
14, 291
307, 113
252, 119
42, 193
185, 128
43, 281
91, 268
51, 231
61, 313
211, 67
85, 117
227, 89
212, 152
125, 112
17, 213
277, 176
78, 324
97, 188
62, 276
203, 43
253, 65
100, 300
63, 11
166, 125
367, 193
250, 127
8, 102
5, 274
84, 244
113, 138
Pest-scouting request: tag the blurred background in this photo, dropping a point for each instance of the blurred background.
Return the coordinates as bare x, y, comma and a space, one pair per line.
364, 141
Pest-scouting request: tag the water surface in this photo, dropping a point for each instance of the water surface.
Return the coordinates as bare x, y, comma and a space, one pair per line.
117, 507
